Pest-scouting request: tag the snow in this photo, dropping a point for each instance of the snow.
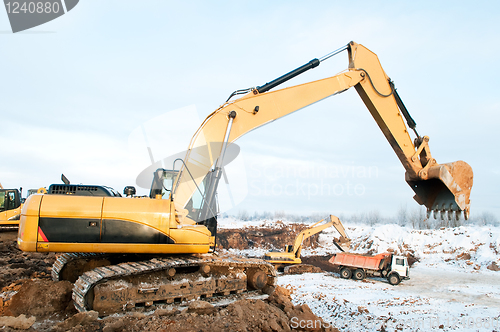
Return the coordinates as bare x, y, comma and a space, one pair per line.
450, 288
432, 298
431, 247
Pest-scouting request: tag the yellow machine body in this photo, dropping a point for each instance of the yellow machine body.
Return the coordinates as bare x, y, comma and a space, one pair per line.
67, 223
10, 217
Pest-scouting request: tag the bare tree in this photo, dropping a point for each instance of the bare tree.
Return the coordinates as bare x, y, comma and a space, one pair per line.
373, 217
279, 215
485, 218
402, 216
243, 215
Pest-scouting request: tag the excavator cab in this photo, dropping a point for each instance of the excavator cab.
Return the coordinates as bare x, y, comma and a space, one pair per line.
10, 206
163, 180
10, 199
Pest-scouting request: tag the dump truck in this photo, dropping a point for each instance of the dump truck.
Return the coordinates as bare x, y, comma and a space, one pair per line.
386, 265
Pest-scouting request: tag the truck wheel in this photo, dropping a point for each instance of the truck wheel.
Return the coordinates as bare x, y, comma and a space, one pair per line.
394, 278
345, 273
359, 274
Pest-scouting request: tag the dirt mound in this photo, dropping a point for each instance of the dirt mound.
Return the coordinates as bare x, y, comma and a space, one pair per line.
28, 293
18, 323
268, 238
277, 313
16, 265
321, 262
49, 301
42, 298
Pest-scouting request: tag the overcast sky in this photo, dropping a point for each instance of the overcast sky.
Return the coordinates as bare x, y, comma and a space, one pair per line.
88, 92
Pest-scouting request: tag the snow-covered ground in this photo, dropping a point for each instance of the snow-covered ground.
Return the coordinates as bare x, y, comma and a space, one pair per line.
450, 287
433, 299
438, 248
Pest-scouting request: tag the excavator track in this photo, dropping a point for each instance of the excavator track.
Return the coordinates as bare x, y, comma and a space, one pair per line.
166, 280
68, 262
9, 228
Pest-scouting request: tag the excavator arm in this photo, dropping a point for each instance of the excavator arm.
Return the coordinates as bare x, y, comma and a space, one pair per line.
306, 233
444, 188
440, 187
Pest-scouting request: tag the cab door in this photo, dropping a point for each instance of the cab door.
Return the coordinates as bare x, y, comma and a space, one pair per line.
400, 265
10, 203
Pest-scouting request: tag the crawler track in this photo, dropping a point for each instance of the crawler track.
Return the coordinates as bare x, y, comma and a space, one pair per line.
70, 266
162, 280
8, 228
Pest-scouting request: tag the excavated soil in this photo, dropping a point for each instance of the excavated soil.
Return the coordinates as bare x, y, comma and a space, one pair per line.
276, 313
321, 262
16, 265
258, 237
30, 301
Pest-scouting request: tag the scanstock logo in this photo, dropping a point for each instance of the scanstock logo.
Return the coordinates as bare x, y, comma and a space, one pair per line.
25, 15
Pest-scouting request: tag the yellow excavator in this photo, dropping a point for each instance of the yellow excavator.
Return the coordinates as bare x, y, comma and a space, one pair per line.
290, 261
10, 208
125, 252
11, 201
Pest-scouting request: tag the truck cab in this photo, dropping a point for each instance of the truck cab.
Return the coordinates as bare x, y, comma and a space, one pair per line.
400, 270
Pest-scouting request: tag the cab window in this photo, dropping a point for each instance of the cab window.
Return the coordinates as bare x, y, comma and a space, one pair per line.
400, 261
2, 200
169, 177
195, 203
11, 201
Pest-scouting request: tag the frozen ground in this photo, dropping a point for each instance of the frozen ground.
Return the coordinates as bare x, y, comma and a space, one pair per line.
433, 299
450, 287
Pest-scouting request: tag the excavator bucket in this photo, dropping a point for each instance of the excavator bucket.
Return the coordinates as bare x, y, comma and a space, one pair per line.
343, 244
444, 189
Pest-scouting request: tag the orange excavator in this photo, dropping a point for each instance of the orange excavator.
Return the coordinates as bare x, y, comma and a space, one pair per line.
125, 252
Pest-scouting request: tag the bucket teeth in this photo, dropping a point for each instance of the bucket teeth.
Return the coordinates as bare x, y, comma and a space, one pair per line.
444, 188
447, 214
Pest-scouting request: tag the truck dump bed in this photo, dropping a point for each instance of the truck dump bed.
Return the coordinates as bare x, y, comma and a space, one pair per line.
359, 261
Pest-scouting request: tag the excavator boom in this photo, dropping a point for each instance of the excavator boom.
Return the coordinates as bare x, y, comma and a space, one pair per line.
440, 187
